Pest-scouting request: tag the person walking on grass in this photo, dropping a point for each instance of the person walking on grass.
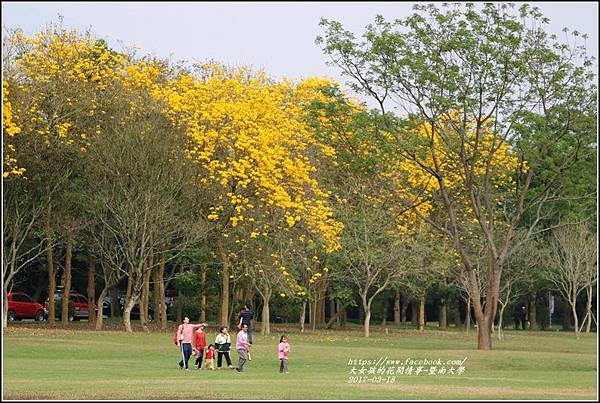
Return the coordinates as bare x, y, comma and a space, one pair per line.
185, 334
246, 317
223, 346
199, 346
284, 349
242, 345
210, 358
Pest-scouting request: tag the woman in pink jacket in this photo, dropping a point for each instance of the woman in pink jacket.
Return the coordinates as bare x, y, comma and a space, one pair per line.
185, 334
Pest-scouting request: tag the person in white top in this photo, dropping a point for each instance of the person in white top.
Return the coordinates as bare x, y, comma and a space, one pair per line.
223, 346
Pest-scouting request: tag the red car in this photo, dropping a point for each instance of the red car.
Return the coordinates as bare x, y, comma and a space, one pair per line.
78, 306
21, 306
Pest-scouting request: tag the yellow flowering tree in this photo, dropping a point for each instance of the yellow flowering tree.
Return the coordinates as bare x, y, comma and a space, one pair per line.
57, 80
10, 130
253, 150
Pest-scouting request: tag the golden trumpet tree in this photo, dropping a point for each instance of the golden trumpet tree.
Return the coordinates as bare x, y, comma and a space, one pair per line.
253, 149
58, 81
10, 130
66, 76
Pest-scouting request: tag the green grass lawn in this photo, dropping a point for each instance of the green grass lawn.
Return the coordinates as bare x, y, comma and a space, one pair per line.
40, 362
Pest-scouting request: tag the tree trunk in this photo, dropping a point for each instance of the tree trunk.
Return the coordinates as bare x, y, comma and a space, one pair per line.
158, 301
129, 292
361, 314
145, 297
468, 314
404, 307
127, 311
265, 327
91, 291
67, 277
319, 305
250, 297
239, 295
397, 310
589, 313
567, 320
532, 312
386, 305
115, 310
483, 338
485, 317
322, 305
225, 288
179, 314
344, 317
5, 304
303, 315
500, 324
367, 322
443, 315
414, 310
146, 291
422, 312
334, 317
161, 288
234, 293
457, 321
366, 308
313, 312
573, 303
332, 313
99, 317
203, 294
141, 305
319, 310
50, 266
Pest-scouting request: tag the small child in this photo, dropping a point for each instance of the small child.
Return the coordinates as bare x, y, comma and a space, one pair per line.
210, 355
284, 349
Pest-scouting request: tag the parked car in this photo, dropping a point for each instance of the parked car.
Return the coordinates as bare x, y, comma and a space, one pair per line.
21, 306
78, 306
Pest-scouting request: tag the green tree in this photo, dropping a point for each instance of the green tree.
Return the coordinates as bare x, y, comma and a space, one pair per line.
574, 265
139, 182
470, 75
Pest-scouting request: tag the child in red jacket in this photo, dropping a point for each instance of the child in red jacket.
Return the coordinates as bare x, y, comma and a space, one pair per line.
199, 346
210, 355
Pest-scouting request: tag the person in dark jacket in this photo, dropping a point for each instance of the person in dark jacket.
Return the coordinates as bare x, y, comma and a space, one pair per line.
246, 317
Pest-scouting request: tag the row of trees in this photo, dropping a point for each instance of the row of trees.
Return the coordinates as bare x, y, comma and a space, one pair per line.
138, 165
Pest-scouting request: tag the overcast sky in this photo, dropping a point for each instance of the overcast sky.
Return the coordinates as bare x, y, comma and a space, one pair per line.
278, 37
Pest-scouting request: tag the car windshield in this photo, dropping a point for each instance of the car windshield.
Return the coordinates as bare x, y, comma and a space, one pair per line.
21, 298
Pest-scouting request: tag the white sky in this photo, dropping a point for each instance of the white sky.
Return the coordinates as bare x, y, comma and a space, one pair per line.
278, 37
